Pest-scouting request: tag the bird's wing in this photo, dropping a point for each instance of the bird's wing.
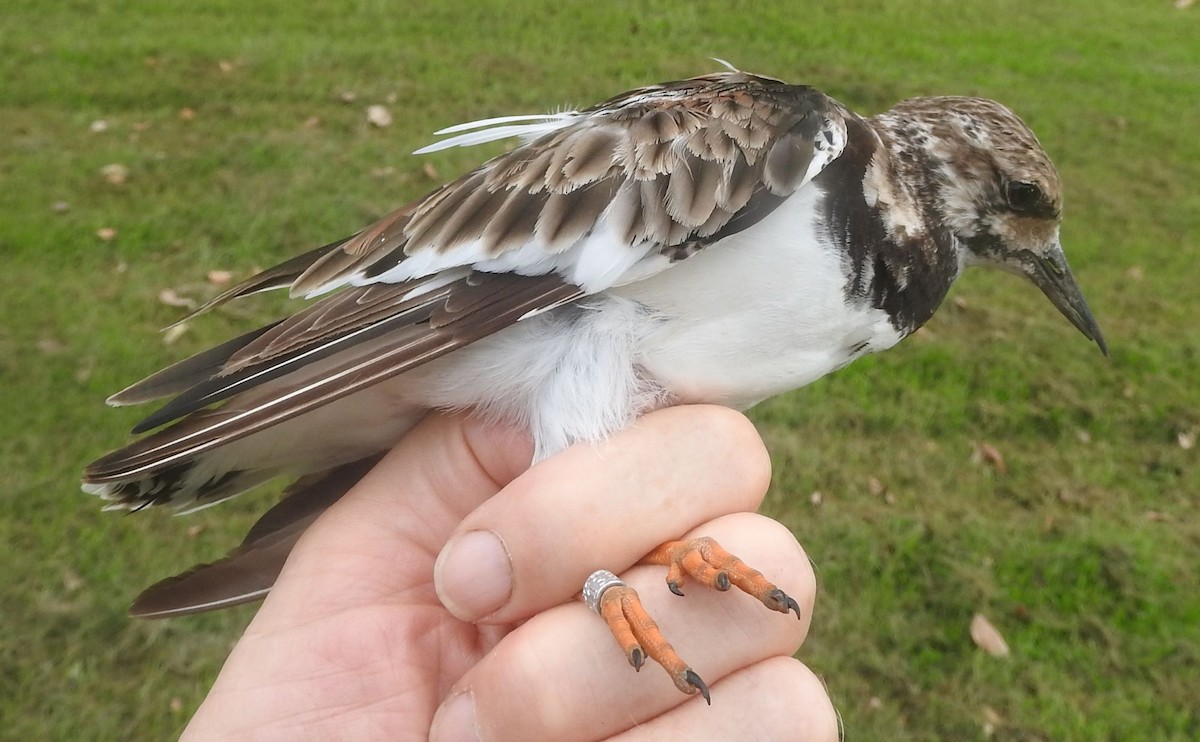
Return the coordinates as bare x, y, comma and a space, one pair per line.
593, 199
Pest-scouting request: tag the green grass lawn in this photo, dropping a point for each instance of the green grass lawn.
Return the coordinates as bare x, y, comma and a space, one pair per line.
242, 127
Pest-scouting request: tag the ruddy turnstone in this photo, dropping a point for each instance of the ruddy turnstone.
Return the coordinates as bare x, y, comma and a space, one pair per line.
720, 239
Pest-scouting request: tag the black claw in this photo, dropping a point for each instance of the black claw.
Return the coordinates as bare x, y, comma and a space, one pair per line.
722, 581
637, 658
782, 602
694, 680
673, 586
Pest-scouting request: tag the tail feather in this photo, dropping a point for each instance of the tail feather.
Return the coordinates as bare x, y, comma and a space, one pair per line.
249, 571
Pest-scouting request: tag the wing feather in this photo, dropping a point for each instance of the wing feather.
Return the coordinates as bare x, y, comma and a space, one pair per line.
663, 170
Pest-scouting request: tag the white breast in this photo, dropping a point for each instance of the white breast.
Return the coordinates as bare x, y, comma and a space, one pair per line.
757, 314
754, 315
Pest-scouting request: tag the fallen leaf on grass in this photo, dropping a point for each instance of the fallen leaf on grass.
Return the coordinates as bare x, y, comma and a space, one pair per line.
172, 299
987, 637
430, 171
187, 114
989, 453
71, 580
219, 278
225, 65
1186, 439
50, 346
311, 122
115, 173
98, 126
108, 234
194, 531
347, 96
379, 116
176, 704
816, 498
1184, 4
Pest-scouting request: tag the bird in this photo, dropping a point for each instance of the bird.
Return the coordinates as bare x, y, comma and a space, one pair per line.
719, 239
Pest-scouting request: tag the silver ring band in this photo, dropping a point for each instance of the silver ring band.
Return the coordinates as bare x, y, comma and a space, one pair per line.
596, 584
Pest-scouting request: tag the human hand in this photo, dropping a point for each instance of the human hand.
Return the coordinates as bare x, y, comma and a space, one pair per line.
354, 642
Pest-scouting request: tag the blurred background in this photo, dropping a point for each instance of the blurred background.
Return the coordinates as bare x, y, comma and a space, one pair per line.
993, 469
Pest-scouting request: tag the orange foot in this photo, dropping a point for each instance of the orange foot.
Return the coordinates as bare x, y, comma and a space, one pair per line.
707, 563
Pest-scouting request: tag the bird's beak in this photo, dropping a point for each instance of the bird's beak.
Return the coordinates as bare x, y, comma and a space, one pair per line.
1053, 276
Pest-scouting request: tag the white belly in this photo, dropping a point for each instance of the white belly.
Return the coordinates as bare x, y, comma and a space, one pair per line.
757, 314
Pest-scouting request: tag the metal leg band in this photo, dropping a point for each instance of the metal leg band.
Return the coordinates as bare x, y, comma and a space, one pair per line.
596, 584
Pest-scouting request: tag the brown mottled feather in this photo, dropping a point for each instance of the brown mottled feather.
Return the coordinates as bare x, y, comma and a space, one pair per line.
671, 165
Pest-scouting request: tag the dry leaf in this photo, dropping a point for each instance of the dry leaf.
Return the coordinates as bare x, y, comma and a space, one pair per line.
98, 126
194, 531
991, 454
430, 171
311, 122
176, 704
961, 303
173, 333
219, 278
347, 96
991, 720
875, 487
115, 173
225, 65
187, 114
1154, 516
379, 116
108, 234
1083, 436
1186, 439
71, 580
987, 638
172, 299
1184, 4
816, 498
50, 346
874, 703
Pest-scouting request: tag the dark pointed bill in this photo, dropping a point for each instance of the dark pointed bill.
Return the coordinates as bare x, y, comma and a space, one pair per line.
1053, 276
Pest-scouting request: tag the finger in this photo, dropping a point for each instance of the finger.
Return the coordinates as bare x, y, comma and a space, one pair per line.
443, 469
561, 676
777, 699
603, 506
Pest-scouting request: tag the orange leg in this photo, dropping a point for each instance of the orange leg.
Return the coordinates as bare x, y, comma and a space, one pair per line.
637, 634
709, 564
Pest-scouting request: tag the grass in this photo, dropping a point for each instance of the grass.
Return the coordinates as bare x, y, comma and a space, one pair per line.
1084, 554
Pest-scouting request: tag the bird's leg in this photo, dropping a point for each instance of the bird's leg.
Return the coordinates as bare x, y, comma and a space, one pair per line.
707, 563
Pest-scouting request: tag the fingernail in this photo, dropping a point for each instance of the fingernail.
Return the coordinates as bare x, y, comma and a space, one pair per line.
455, 720
473, 575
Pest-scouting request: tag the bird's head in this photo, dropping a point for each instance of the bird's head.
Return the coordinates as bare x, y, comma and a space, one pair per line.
998, 193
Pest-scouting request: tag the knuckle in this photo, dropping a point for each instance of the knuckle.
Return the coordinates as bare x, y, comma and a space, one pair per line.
812, 714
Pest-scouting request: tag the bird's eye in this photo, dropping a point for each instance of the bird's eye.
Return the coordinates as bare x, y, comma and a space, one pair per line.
1023, 197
